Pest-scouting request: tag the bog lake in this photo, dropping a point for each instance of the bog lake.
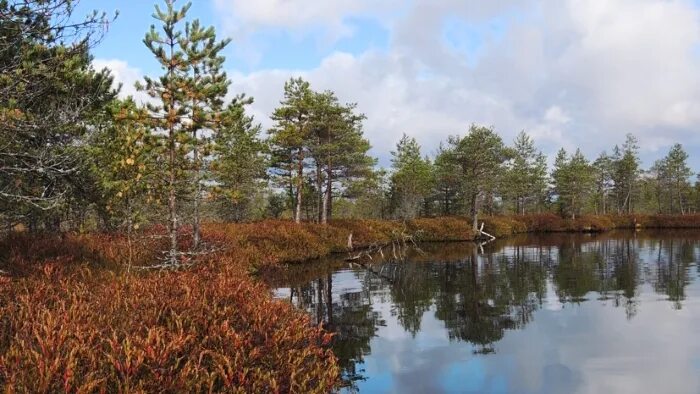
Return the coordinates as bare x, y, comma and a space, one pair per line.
551, 313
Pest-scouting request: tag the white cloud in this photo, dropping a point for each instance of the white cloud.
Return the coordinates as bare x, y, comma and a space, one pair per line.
574, 73
299, 16
123, 74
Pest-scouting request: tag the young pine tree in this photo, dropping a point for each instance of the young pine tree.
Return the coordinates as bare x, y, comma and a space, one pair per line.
170, 109
239, 163
411, 180
204, 90
122, 160
526, 178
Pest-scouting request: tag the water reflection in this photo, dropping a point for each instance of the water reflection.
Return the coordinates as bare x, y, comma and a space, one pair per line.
440, 321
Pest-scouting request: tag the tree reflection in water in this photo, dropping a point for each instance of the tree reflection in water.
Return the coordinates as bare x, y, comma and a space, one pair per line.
479, 296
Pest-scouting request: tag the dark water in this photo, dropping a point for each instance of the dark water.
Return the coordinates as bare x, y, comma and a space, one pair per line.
611, 313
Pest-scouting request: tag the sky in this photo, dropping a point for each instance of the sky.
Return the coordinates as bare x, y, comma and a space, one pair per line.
571, 73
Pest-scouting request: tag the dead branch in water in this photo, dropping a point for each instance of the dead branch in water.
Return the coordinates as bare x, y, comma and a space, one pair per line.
400, 242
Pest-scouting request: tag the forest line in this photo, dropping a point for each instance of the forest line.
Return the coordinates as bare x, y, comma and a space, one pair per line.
74, 156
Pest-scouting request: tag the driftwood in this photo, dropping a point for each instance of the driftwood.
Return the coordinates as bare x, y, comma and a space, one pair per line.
166, 262
399, 245
482, 232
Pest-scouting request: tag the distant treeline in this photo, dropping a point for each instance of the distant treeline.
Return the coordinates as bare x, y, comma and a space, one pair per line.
74, 156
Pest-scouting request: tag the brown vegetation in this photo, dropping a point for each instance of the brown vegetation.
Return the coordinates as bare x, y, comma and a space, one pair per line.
72, 320
502, 226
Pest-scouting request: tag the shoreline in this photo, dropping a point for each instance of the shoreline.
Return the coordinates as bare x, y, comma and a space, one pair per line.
96, 318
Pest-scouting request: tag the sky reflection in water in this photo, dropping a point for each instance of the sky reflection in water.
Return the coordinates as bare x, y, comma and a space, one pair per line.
617, 312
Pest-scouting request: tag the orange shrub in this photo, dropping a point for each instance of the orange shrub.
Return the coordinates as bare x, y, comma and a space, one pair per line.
672, 221
503, 226
545, 222
201, 330
442, 229
66, 325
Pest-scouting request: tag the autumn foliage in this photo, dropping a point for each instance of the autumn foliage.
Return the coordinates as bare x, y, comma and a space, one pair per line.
501, 226
68, 325
73, 320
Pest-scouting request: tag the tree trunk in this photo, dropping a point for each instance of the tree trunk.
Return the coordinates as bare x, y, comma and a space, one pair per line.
327, 199
474, 212
320, 202
300, 187
197, 193
447, 202
172, 199
172, 202
327, 213
605, 208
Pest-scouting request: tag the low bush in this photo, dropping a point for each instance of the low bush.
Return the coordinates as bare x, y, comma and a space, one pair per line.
501, 226
192, 331
442, 229
72, 320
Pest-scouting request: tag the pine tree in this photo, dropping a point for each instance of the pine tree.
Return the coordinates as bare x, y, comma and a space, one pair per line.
480, 157
411, 180
289, 139
626, 173
239, 164
338, 148
123, 161
447, 181
603, 167
526, 178
49, 97
205, 88
676, 174
169, 114
573, 182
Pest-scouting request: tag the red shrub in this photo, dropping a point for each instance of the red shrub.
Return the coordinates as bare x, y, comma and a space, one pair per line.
193, 331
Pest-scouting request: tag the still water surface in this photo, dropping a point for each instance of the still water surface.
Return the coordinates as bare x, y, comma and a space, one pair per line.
611, 313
